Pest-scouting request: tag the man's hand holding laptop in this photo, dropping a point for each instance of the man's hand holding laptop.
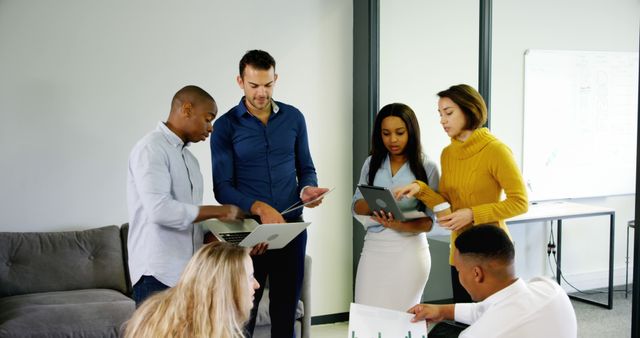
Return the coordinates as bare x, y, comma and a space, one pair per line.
268, 215
311, 197
259, 249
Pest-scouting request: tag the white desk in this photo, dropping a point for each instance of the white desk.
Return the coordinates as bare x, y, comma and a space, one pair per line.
557, 211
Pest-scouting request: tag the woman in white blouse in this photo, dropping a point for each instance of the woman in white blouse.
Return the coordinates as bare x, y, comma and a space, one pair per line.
395, 261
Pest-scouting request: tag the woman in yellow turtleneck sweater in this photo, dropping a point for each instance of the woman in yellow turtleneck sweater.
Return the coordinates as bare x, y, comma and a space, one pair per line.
476, 168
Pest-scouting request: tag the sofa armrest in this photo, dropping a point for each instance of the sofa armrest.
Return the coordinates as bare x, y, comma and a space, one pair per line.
305, 296
124, 237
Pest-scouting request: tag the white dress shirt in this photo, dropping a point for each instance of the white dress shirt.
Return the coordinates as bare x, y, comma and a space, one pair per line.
539, 308
164, 191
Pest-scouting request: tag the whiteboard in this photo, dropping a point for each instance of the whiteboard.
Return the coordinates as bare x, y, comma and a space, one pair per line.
580, 123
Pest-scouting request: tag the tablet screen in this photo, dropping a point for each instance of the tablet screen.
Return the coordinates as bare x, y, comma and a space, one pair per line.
380, 198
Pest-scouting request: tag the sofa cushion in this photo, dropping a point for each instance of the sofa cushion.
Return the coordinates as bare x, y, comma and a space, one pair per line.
263, 317
79, 313
60, 261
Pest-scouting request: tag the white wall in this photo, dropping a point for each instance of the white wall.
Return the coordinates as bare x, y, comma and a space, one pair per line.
423, 50
427, 46
82, 81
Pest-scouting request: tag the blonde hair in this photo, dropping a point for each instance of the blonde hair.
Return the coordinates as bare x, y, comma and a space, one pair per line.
210, 299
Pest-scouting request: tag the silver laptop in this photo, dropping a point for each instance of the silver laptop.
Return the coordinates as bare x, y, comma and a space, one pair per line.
248, 232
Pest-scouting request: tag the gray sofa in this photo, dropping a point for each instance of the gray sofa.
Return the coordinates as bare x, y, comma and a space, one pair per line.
64, 284
76, 284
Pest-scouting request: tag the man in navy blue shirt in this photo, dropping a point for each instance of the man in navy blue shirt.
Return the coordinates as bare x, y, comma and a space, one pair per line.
261, 162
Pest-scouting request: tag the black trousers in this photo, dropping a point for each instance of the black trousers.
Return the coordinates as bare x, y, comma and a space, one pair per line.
285, 270
446, 330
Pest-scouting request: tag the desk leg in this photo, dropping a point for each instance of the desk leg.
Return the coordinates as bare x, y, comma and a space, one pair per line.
609, 304
626, 262
559, 253
612, 229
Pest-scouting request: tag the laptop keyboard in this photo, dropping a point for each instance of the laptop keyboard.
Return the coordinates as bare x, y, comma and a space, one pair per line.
234, 237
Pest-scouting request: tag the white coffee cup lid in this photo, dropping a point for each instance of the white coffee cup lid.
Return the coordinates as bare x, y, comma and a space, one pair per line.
442, 206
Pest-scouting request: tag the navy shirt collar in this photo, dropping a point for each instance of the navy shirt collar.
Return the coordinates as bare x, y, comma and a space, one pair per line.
242, 107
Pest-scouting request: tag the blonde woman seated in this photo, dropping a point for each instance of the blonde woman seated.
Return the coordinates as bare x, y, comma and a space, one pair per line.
213, 298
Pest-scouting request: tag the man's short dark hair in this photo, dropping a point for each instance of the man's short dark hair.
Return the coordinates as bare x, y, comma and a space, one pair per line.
191, 93
257, 59
486, 242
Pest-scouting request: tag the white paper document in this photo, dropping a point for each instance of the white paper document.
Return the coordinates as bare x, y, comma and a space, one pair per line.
374, 322
300, 204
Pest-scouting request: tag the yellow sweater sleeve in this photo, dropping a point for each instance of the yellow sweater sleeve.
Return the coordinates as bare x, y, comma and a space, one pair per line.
429, 197
505, 170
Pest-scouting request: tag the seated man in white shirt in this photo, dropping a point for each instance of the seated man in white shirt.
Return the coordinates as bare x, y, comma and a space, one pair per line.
164, 195
506, 306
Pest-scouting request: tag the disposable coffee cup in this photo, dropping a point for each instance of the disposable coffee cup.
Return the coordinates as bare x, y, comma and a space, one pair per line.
442, 209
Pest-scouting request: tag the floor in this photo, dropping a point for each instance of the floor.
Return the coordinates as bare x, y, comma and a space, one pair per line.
593, 321
337, 330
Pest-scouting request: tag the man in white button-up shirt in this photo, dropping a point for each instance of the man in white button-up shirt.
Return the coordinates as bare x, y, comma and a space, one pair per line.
506, 306
164, 195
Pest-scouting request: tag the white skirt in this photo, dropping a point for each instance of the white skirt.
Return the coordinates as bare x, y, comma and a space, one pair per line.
393, 269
